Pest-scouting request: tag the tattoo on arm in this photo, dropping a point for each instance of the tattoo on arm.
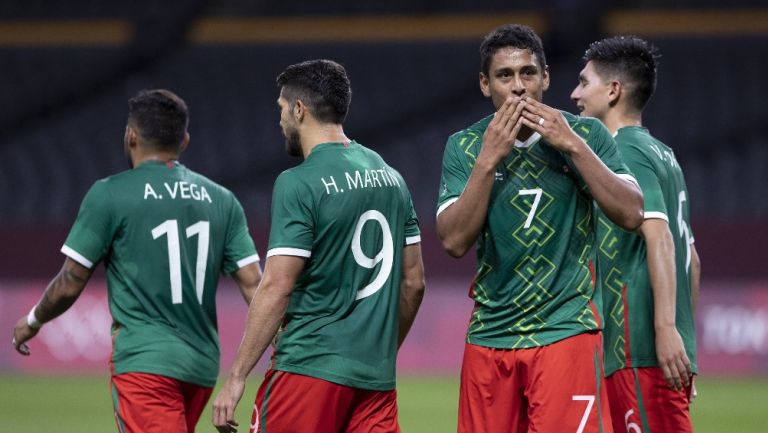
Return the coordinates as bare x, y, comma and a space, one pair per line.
62, 292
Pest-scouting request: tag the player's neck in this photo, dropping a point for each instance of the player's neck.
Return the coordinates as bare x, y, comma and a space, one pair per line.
616, 119
140, 158
322, 133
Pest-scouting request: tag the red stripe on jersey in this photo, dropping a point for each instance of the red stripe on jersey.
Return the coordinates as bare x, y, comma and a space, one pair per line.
626, 326
595, 313
593, 275
472, 288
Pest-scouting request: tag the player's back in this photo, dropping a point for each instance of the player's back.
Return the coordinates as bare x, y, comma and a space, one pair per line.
172, 233
341, 324
622, 258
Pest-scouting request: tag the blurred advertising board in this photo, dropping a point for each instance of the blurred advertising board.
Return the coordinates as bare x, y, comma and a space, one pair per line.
732, 321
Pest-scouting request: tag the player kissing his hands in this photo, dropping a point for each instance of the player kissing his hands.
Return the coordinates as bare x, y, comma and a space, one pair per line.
551, 124
500, 136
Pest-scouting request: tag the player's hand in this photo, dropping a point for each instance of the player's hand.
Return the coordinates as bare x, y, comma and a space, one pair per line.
551, 124
21, 334
694, 392
225, 403
673, 360
499, 137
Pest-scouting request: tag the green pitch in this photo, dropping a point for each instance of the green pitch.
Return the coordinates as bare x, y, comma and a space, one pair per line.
427, 404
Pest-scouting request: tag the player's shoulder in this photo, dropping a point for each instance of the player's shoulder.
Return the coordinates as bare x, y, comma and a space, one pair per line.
475, 130
115, 180
639, 139
292, 177
585, 126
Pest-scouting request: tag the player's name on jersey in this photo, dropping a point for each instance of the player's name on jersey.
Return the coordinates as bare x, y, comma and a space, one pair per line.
380, 178
177, 190
665, 155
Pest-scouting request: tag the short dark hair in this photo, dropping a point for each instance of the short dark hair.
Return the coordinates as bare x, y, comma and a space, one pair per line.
511, 35
631, 60
322, 85
160, 116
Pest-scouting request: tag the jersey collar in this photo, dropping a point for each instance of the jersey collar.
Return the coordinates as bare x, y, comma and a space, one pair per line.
529, 142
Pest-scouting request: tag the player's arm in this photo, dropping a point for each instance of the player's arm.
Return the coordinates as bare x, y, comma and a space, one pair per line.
60, 294
248, 278
670, 350
265, 314
695, 281
620, 199
459, 225
412, 289
695, 276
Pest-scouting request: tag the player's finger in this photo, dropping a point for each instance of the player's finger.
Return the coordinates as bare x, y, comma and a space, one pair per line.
503, 109
22, 348
517, 127
507, 111
675, 375
532, 125
684, 368
540, 120
513, 123
231, 417
539, 107
219, 418
667, 374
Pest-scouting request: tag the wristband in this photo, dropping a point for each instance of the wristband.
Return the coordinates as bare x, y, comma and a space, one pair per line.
32, 321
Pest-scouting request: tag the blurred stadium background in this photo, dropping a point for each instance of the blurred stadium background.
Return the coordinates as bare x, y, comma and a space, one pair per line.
68, 68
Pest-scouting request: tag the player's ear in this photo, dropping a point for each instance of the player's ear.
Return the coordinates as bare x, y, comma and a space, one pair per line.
485, 85
615, 91
545, 78
299, 110
184, 143
131, 138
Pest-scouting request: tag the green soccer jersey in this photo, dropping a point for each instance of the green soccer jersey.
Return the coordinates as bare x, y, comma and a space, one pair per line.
350, 215
164, 234
533, 285
622, 267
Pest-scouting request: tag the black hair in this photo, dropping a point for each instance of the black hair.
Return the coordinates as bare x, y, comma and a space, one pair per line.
511, 35
322, 85
160, 116
629, 59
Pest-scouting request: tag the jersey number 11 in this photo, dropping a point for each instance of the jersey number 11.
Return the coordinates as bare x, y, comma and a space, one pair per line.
171, 229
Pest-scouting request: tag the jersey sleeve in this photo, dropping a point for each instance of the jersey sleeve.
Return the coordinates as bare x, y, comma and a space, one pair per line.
239, 250
646, 176
292, 232
91, 235
601, 142
412, 232
455, 174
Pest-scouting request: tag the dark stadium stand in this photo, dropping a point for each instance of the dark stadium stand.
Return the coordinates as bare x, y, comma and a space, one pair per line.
62, 110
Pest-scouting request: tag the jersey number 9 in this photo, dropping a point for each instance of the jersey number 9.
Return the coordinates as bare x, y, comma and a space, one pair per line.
386, 255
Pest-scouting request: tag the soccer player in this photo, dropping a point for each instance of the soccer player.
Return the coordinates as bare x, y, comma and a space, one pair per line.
521, 184
343, 279
164, 233
649, 275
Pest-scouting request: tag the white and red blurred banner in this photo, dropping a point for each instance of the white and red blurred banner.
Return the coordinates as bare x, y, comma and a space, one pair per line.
732, 321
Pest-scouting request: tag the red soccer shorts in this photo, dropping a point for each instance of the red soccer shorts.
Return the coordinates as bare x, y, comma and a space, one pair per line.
292, 403
548, 389
149, 403
642, 402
